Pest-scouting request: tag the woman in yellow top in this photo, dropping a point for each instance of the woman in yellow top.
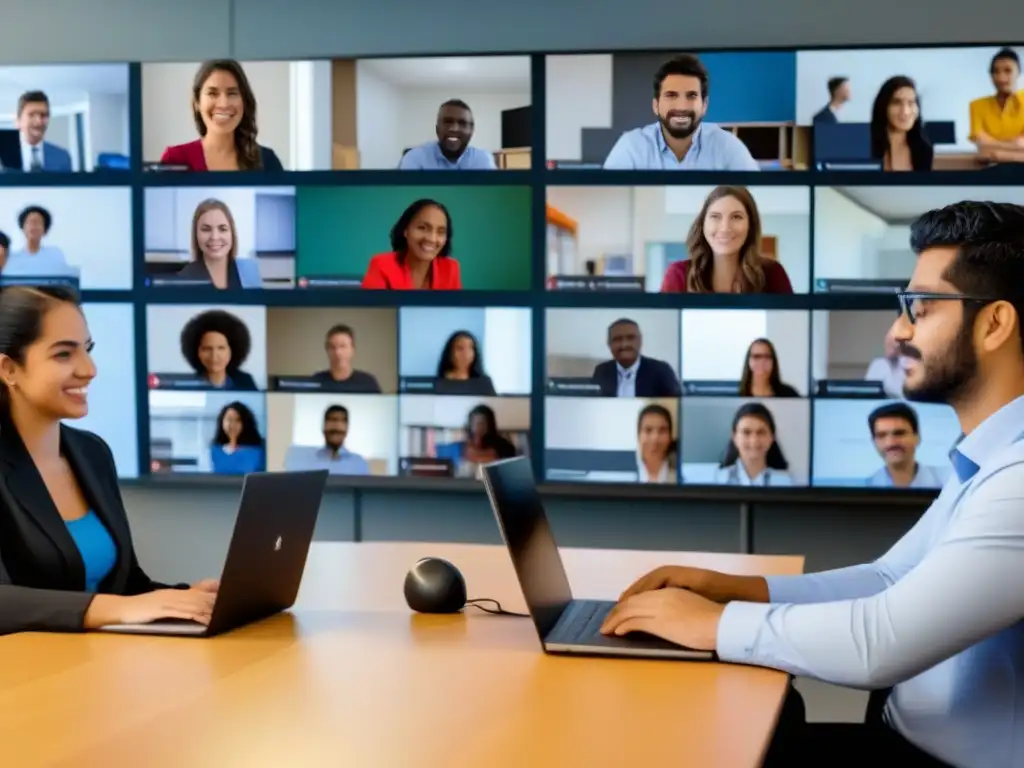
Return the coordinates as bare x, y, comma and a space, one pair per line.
997, 121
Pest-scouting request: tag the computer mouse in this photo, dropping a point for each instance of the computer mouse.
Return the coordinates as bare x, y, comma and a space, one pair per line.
434, 585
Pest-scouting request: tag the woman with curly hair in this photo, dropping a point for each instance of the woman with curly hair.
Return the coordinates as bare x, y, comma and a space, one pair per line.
725, 250
216, 344
224, 111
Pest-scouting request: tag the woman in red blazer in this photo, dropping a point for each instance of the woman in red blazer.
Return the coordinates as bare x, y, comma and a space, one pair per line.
725, 250
420, 258
224, 110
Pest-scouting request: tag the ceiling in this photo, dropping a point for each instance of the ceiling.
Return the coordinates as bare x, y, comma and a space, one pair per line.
903, 204
61, 83
470, 73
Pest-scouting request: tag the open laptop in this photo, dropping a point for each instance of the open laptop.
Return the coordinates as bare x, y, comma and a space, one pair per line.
274, 528
10, 150
565, 625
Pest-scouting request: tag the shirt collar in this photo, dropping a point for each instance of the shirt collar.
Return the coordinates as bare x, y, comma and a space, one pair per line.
327, 453
440, 157
663, 146
993, 434
627, 371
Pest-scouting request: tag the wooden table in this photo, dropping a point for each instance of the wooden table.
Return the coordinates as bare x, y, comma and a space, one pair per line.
353, 679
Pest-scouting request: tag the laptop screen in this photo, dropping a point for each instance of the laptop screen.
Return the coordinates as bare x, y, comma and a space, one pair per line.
524, 526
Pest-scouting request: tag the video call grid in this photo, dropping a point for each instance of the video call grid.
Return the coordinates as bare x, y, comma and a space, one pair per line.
138, 181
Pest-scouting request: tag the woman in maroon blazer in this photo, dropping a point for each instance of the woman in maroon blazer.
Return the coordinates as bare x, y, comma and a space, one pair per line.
224, 110
725, 250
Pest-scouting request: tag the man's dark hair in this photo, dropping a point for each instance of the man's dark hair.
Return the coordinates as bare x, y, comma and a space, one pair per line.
989, 261
894, 411
1005, 54
623, 321
31, 97
685, 64
834, 83
5, 241
340, 328
29, 210
336, 409
455, 103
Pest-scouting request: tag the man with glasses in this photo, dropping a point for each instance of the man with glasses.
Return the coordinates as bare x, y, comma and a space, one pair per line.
939, 618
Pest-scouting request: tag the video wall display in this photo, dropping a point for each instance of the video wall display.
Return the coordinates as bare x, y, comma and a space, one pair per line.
323, 308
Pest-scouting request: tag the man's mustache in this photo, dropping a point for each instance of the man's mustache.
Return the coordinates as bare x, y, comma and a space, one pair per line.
908, 351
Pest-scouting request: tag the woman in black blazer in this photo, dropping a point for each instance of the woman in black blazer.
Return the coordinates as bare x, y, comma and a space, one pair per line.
66, 557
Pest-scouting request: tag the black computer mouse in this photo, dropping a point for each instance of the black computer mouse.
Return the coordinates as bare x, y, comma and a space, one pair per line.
434, 585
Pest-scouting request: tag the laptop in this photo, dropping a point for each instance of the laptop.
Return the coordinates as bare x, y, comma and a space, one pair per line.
565, 625
274, 528
10, 150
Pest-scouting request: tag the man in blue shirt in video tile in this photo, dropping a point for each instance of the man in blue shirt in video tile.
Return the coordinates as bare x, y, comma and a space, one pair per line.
451, 151
680, 140
896, 432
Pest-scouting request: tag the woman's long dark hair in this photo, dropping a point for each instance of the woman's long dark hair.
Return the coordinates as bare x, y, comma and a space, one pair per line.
774, 378
445, 365
492, 438
916, 139
654, 409
249, 156
775, 458
250, 434
22, 309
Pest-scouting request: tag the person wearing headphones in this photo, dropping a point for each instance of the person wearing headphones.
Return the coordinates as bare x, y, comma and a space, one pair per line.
67, 562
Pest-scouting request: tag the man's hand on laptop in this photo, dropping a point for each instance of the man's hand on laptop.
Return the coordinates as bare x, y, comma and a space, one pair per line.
188, 604
719, 587
207, 585
673, 614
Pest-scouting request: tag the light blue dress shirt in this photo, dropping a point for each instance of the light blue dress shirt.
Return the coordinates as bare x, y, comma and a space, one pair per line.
301, 457
925, 477
626, 386
47, 262
713, 149
940, 616
96, 546
428, 157
737, 475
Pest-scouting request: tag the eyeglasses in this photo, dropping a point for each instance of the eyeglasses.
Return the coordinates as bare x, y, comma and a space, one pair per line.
911, 302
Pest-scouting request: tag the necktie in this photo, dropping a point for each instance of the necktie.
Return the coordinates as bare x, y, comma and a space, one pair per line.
37, 160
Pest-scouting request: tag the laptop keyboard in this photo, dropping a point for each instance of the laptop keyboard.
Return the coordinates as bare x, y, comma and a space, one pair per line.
584, 621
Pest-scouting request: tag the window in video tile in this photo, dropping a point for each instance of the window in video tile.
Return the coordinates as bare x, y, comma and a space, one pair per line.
344, 433
748, 125
195, 347
747, 442
230, 238
465, 351
612, 353
883, 443
628, 440
452, 436
745, 352
81, 237
651, 238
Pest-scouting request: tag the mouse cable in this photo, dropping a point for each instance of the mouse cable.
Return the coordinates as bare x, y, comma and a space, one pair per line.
497, 611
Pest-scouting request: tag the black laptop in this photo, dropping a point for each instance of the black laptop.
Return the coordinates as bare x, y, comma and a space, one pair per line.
10, 150
564, 625
273, 531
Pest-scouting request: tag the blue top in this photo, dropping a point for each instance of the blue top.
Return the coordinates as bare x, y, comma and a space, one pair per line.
428, 157
713, 149
940, 616
97, 547
241, 461
301, 457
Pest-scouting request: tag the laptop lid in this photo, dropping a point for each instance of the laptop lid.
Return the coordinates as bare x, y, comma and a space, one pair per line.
277, 513
524, 527
10, 150
842, 142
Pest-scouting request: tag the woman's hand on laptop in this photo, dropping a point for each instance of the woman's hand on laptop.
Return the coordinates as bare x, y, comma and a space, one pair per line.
677, 615
720, 587
189, 604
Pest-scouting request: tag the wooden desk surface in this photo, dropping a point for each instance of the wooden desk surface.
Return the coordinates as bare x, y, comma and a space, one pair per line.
352, 678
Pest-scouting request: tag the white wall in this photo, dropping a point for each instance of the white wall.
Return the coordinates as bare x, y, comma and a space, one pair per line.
578, 95
597, 424
112, 404
444, 412
583, 333
947, 79
715, 343
854, 339
605, 219
163, 337
844, 236
108, 126
390, 118
311, 127
167, 107
508, 334
93, 227
169, 211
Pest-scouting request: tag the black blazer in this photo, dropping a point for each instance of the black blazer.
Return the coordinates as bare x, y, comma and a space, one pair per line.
654, 378
42, 576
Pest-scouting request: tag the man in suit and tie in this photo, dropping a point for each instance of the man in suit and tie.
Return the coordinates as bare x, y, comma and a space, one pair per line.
630, 374
33, 120
838, 94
